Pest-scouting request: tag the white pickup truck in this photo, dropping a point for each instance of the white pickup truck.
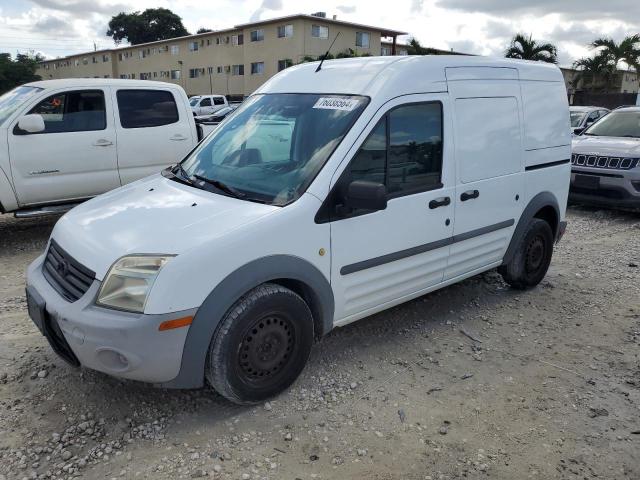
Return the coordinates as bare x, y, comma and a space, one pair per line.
64, 141
207, 104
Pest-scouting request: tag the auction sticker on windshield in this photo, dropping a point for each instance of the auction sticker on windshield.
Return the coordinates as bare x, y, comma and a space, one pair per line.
329, 103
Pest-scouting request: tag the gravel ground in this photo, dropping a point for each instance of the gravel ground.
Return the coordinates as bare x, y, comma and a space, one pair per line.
473, 381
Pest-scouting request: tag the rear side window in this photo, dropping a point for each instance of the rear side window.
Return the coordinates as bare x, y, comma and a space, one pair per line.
218, 101
404, 151
146, 108
77, 111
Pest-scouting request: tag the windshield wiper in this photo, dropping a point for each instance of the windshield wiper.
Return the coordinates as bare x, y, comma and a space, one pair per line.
220, 186
172, 172
631, 136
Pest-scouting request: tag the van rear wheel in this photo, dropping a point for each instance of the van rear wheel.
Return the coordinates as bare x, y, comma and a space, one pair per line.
531, 260
261, 345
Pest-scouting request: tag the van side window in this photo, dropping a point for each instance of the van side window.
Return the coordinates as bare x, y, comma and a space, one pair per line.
404, 151
205, 102
78, 111
146, 108
414, 149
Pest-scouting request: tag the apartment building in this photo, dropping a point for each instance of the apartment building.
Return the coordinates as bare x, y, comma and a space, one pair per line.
233, 62
621, 81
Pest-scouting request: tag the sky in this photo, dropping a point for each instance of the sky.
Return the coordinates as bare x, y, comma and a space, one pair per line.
57, 28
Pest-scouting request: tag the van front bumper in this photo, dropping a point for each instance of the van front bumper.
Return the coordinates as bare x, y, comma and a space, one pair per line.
121, 344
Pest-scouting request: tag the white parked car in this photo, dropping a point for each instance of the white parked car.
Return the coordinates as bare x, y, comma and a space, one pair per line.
583, 117
64, 141
327, 197
207, 104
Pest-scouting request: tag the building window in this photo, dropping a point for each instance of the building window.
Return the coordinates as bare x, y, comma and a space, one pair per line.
193, 46
385, 51
285, 31
209, 70
362, 39
175, 74
94, 60
142, 53
257, 68
318, 31
257, 35
237, 69
237, 39
85, 61
286, 63
219, 70
175, 49
105, 58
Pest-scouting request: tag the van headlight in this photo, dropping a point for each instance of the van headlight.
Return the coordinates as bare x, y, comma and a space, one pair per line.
129, 281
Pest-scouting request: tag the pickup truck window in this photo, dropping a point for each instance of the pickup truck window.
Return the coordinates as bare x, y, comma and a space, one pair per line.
206, 102
14, 99
218, 101
146, 108
75, 111
274, 145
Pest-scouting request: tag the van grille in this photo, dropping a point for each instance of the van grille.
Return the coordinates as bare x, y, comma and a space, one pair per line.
66, 275
596, 161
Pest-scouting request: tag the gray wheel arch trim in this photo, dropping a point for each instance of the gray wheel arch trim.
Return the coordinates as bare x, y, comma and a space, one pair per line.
233, 287
541, 200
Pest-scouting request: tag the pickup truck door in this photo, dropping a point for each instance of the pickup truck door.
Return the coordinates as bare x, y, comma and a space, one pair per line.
206, 106
155, 128
74, 158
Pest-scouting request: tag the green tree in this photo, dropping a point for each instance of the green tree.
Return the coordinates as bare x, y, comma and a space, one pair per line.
148, 26
595, 72
528, 49
204, 30
627, 51
14, 72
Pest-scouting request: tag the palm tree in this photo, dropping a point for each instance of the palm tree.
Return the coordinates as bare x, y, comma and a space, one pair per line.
627, 51
596, 70
528, 49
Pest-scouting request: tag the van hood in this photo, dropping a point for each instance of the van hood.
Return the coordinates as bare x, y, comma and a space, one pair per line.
606, 146
153, 215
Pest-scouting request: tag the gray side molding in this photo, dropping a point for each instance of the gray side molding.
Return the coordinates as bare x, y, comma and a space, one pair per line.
541, 200
234, 286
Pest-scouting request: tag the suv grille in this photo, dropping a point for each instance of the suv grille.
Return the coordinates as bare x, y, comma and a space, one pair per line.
68, 277
612, 163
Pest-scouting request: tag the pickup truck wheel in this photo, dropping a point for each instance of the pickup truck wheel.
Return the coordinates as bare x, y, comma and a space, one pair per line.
532, 257
261, 345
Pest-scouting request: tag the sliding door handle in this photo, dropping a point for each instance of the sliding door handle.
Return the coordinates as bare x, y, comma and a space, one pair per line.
439, 202
469, 195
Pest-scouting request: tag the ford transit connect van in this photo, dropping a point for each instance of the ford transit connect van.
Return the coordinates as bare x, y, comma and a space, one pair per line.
329, 195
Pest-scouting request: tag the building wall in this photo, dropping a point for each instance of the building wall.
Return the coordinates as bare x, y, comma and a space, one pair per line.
211, 65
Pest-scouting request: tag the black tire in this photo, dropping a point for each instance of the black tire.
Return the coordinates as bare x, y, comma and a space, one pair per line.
261, 345
531, 260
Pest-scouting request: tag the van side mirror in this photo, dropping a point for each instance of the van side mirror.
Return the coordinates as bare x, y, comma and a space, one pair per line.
33, 123
366, 195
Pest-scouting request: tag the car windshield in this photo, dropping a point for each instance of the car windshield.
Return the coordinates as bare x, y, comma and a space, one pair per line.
194, 101
12, 100
576, 118
617, 124
274, 145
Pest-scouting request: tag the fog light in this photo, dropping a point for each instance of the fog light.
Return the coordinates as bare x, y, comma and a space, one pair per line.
113, 360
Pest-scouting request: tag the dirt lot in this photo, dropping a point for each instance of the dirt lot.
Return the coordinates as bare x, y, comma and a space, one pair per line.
474, 381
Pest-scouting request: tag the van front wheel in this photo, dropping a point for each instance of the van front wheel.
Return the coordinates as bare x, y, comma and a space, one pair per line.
531, 260
261, 345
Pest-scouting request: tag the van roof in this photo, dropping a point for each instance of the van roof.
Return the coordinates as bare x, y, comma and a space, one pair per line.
97, 82
391, 76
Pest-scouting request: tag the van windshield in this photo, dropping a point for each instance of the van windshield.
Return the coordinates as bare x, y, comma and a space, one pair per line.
274, 145
13, 99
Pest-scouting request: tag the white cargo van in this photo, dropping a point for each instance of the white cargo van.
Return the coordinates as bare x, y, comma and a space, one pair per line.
328, 196
63, 141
